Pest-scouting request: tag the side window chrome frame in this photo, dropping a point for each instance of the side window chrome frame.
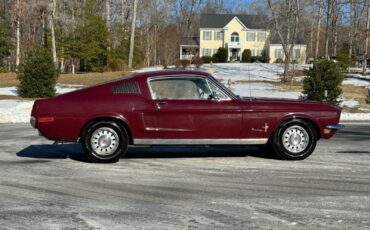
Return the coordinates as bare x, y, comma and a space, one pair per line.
184, 76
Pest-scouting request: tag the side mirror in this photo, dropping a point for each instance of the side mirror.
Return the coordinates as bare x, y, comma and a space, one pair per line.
213, 97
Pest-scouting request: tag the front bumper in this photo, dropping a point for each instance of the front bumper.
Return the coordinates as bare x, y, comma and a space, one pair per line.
335, 127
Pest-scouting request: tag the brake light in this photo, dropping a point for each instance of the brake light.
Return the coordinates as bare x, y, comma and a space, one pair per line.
45, 119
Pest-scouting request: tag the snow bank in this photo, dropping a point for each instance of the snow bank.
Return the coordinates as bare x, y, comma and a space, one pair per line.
355, 116
246, 71
262, 90
9, 91
60, 89
15, 111
147, 69
357, 82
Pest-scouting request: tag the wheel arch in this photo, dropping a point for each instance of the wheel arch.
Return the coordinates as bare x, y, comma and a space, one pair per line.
110, 118
304, 118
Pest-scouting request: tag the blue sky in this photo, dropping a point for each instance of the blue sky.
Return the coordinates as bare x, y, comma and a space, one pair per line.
229, 3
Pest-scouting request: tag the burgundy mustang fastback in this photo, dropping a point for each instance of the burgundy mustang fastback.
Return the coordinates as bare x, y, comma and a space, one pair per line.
180, 108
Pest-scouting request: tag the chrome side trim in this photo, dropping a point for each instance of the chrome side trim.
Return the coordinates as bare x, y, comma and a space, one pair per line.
336, 127
259, 141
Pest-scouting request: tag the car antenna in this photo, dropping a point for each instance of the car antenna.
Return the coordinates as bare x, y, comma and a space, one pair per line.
249, 83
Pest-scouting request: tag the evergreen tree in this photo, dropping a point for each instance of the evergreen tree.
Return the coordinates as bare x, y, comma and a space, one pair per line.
37, 74
247, 55
221, 55
5, 37
89, 42
122, 51
325, 76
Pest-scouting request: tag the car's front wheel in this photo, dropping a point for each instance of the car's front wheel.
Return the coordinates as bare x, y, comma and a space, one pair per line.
294, 140
104, 142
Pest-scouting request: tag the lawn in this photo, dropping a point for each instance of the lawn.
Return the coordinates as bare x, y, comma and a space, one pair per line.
10, 79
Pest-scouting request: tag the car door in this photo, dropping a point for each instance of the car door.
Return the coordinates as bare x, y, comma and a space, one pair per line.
185, 107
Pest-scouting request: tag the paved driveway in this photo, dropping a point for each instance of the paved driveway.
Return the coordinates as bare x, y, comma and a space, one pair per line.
44, 186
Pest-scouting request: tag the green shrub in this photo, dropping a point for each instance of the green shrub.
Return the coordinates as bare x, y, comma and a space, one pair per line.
184, 63
37, 74
221, 55
279, 60
117, 64
265, 59
197, 61
324, 76
343, 59
247, 55
207, 59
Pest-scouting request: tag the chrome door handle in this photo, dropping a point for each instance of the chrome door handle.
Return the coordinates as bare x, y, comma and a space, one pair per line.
159, 104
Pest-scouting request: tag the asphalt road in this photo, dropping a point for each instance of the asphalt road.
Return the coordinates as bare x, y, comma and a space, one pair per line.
45, 186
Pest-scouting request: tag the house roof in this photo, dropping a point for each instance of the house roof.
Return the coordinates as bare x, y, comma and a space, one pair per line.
221, 20
191, 41
274, 39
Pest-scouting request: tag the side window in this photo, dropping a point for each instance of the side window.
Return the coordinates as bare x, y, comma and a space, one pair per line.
180, 88
217, 92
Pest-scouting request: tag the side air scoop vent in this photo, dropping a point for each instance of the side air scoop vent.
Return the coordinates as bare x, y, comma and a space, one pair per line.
126, 88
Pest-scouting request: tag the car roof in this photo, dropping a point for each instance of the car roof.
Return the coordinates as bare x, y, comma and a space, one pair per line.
169, 72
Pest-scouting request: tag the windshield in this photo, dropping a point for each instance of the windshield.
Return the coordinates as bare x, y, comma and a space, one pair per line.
223, 87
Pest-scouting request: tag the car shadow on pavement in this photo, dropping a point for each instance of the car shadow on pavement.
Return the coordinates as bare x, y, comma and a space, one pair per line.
75, 152
54, 151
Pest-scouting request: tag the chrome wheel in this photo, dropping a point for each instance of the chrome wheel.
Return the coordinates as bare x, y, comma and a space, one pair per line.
104, 141
295, 139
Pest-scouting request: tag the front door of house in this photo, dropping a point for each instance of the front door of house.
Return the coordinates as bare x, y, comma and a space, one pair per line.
234, 54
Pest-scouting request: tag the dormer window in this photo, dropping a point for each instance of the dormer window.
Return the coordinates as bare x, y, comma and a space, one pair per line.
235, 37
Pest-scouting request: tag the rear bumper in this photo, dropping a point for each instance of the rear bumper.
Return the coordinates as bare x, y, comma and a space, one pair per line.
33, 122
335, 127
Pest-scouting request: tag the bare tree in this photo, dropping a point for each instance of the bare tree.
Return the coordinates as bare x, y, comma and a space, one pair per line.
286, 27
53, 43
364, 62
318, 28
17, 33
132, 37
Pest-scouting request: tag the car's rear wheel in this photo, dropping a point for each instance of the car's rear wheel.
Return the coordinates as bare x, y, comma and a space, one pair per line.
104, 142
294, 140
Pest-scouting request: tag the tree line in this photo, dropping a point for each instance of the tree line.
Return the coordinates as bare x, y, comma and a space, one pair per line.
99, 35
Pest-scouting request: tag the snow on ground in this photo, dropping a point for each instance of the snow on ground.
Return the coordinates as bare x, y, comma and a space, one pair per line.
60, 89
15, 111
357, 82
12, 91
351, 103
246, 71
147, 69
262, 90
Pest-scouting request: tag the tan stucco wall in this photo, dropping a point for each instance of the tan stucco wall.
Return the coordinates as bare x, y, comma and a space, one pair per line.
273, 47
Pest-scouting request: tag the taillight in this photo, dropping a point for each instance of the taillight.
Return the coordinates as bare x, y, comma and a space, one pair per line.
45, 119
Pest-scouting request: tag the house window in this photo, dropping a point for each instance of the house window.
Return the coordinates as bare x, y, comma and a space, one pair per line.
279, 53
235, 37
251, 36
259, 52
297, 53
207, 52
207, 35
218, 36
261, 36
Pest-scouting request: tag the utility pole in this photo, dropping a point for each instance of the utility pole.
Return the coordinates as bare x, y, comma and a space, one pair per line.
53, 43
